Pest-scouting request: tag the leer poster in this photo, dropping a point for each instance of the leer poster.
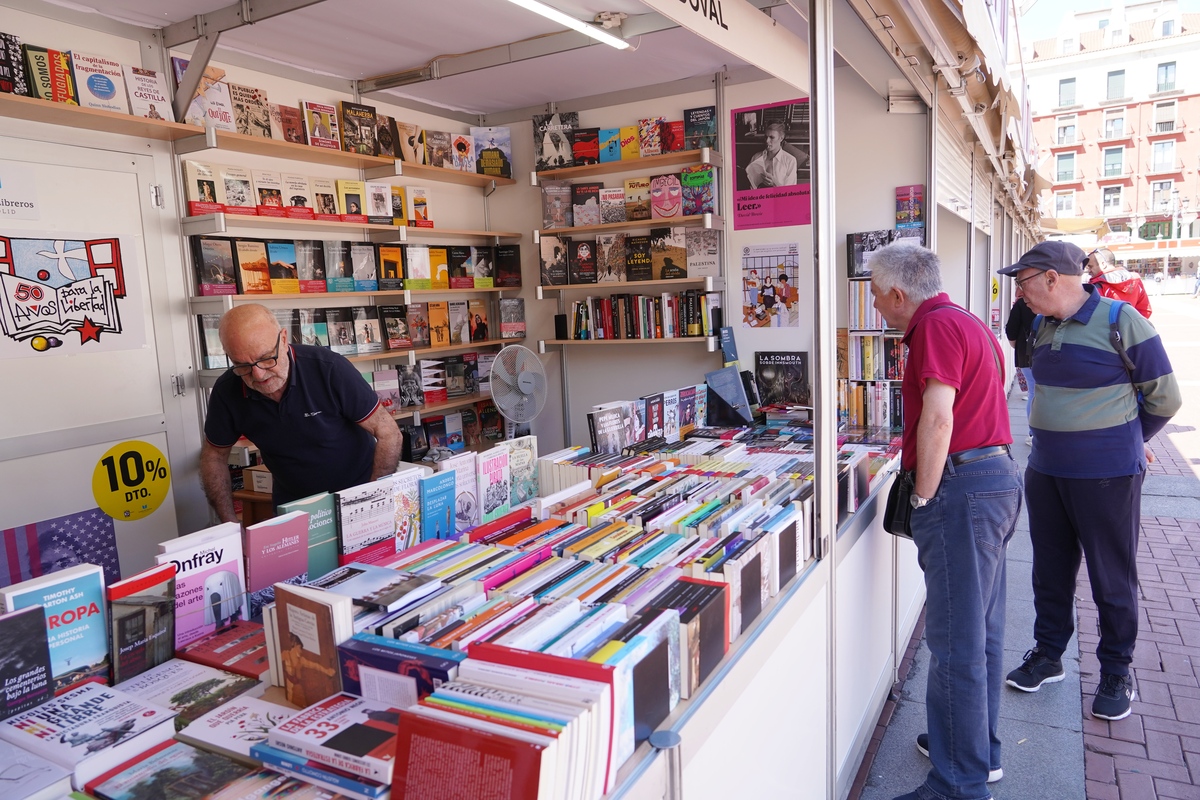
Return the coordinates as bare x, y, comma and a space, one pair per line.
771, 156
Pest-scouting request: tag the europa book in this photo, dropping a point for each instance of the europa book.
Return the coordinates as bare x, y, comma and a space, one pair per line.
419, 216
508, 266
235, 726
77, 627
268, 193
437, 505
147, 91
638, 258
637, 199
310, 266
340, 325
282, 269
365, 270
366, 520
320, 125
552, 140
668, 253
462, 152
187, 689
251, 111
557, 211
493, 151
25, 668
610, 256
203, 189
39, 779
314, 330
311, 624
99, 82
216, 271
343, 731
585, 203
50, 75
368, 337
12, 65
703, 252
89, 730
276, 552
357, 127
238, 185
322, 539
437, 149
394, 320
585, 146
254, 269
240, 648
287, 124
512, 318
210, 580
782, 377
495, 488
697, 183
350, 200
553, 252
700, 127
650, 136
581, 261
142, 613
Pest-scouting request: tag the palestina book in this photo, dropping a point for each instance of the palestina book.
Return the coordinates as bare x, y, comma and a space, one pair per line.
25, 669
76, 622
142, 610
493, 151
210, 584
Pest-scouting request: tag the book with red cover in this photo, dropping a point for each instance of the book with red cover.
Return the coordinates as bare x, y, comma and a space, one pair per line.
142, 612
342, 731
425, 741
240, 647
276, 552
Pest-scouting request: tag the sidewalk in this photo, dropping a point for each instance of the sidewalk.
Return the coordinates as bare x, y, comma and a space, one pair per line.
1053, 748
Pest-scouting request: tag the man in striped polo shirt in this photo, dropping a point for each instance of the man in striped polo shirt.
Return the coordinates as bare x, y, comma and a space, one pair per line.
1092, 414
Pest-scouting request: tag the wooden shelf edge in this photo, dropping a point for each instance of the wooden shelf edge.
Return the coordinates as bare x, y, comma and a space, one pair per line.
428, 352
620, 286
446, 405
425, 233
36, 110
711, 221
404, 169
703, 156
673, 340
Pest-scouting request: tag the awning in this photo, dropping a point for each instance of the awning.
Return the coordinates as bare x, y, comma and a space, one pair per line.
1076, 225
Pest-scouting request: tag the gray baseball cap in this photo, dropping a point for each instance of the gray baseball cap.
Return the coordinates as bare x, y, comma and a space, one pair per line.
1062, 257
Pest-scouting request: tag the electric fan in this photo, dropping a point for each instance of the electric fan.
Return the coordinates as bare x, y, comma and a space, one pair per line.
518, 386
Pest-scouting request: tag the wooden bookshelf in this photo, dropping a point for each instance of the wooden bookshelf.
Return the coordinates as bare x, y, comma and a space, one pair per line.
430, 409
213, 139
710, 341
435, 233
216, 224
626, 286
697, 221
650, 163
92, 119
215, 304
423, 172
430, 352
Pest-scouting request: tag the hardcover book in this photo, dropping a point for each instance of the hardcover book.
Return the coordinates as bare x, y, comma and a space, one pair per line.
147, 91
251, 111
76, 623
187, 689
313, 329
552, 140
50, 75
610, 256
553, 251
394, 320
324, 198
320, 125
508, 266
287, 123
420, 216
668, 253
234, 727
238, 187
666, 196
585, 203
700, 127
12, 65
142, 614
493, 151
343, 731
282, 269
703, 252
650, 136
26, 670
512, 318
462, 152
609, 144
385, 136
89, 730
186, 771
216, 272
297, 196
350, 200
276, 552
368, 337
438, 151
437, 505
378, 202
311, 624
417, 315
253, 266
357, 124
322, 540
585, 146
637, 198
203, 189
410, 142
268, 193
557, 210
365, 270
697, 183
494, 484
310, 266
99, 82
210, 580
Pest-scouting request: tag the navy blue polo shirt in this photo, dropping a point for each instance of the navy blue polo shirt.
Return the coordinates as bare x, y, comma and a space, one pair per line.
310, 440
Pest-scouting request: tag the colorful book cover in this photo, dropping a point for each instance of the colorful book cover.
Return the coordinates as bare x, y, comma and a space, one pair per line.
581, 261
282, 257
512, 318
204, 774
508, 266
147, 92
406, 494
437, 505
287, 123
700, 127
262, 197
310, 266
365, 270
26, 670
630, 148
650, 136
666, 196
368, 336
350, 200
462, 267
50, 75
394, 320
477, 314
420, 217
585, 146
216, 272
466, 499
324, 198
339, 267
357, 123
493, 151
210, 580
343, 731
386, 383
417, 269
637, 198
276, 552
494, 483
483, 259
311, 623
188, 689
76, 622
142, 614
320, 125
462, 152
203, 189
417, 315
668, 253
253, 266
585, 203
697, 183
609, 145
672, 136
234, 727
322, 538
251, 110
12, 65
399, 207
378, 202
439, 323
297, 196
612, 205
210, 105
439, 267
99, 82
552, 140
240, 648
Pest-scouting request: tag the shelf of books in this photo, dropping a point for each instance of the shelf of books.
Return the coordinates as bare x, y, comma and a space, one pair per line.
94, 119
221, 303
220, 222
704, 155
216, 139
706, 282
434, 233
870, 394
406, 169
411, 356
707, 221
709, 341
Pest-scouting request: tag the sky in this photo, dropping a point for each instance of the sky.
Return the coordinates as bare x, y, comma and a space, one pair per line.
1042, 19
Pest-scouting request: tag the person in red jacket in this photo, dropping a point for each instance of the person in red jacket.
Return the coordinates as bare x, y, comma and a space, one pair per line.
1117, 282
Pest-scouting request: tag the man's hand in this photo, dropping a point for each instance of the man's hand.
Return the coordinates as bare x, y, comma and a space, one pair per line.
214, 477
1150, 459
388, 442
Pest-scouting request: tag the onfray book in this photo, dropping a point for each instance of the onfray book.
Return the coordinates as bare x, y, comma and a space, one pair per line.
210, 588
188, 689
25, 664
89, 730
142, 610
77, 627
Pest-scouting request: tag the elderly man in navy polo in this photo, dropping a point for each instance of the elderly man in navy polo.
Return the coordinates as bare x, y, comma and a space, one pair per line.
318, 424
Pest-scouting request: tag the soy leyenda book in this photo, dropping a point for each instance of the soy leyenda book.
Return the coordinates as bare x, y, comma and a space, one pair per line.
343, 731
89, 730
142, 610
210, 584
25, 670
76, 624
188, 689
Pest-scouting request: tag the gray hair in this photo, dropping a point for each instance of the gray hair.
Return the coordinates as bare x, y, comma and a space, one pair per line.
907, 266
1105, 258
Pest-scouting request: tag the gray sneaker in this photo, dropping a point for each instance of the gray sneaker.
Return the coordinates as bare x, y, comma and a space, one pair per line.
1113, 697
1037, 669
923, 747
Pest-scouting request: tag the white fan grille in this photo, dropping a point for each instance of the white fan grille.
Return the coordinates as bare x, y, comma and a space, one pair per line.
518, 382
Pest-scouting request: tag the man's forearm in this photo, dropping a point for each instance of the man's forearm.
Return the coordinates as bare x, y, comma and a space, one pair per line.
218, 488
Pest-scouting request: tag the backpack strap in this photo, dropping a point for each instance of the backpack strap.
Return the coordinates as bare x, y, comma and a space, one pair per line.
1114, 336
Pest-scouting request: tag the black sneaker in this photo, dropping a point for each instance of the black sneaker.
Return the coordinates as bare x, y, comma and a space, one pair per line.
1037, 669
1113, 697
923, 746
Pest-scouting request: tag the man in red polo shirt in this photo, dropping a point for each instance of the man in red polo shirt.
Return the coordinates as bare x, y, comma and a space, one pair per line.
966, 498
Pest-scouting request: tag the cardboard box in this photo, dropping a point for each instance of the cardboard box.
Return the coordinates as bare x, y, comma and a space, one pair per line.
260, 479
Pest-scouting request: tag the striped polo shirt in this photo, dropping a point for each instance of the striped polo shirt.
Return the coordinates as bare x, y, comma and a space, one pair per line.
1085, 418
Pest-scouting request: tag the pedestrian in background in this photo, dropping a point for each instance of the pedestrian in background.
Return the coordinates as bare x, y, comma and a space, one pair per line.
1017, 329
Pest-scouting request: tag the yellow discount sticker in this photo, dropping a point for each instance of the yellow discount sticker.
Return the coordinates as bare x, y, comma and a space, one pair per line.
131, 480
995, 288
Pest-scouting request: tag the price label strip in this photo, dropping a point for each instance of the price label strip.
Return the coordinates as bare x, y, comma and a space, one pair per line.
131, 480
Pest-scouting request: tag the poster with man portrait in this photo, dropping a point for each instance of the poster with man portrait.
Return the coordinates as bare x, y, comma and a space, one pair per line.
771, 159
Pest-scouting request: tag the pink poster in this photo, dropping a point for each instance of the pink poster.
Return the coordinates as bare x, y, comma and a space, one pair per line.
771, 160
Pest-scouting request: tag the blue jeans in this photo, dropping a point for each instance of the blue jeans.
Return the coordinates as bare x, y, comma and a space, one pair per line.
962, 537
1028, 373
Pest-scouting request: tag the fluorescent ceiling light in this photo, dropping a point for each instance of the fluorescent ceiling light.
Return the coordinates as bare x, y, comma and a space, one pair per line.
597, 33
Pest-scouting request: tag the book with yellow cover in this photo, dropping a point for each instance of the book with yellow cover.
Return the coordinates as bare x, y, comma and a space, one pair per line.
350, 200
439, 323
630, 145
399, 207
439, 268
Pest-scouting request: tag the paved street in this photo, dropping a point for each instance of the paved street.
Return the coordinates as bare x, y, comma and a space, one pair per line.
1053, 748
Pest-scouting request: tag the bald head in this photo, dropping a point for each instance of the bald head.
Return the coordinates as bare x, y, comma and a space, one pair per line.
242, 321
251, 335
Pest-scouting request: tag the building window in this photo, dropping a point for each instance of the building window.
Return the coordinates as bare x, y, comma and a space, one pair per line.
1166, 77
1064, 203
1112, 199
1066, 92
1066, 167
1160, 195
1163, 156
1103, 24
1168, 27
1116, 84
1068, 46
1114, 160
1116, 36
1066, 130
1114, 124
1164, 117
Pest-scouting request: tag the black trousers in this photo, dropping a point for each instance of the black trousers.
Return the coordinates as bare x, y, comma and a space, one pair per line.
1099, 518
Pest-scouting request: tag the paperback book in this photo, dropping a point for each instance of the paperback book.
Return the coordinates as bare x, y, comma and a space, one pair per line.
147, 92
297, 196
394, 321
320, 125
585, 146
216, 272
176, 771
493, 151
343, 731
322, 538
282, 269
210, 580
357, 127
438, 149
187, 689
238, 186
368, 337
142, 610
311, 624
512, 318
99, 82
268, 193
552, 140
25, 669
557, 209
508, 266
287, 123
637, 199
610, 257
254, 269
310, 268
417, 315
276, 552
437, 505
366, 520
12, 65
462, 152
553, 251
251, 111
700, 127
494, 479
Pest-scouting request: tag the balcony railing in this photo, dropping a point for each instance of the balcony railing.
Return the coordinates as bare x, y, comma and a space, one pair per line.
1164, 168
1165, 126
1067, 176
1110, 173
1114, 134
1071, 140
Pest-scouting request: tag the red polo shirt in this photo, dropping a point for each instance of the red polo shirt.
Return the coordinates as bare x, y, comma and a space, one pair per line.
953, 346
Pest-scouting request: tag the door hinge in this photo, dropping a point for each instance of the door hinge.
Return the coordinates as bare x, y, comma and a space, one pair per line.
178, 386
156, 195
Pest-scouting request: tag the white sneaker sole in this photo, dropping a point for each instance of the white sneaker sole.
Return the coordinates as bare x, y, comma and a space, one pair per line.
1032, 689
993, 775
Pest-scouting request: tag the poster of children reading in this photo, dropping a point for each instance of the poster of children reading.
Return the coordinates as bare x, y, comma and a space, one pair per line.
769, 273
